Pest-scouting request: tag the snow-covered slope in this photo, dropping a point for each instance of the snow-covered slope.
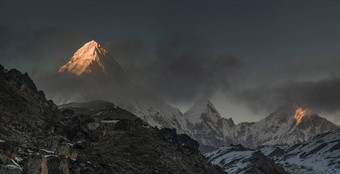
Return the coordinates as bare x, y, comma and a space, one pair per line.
319, 155
231, 158
207, 126
235, 159
194, 114
157, 113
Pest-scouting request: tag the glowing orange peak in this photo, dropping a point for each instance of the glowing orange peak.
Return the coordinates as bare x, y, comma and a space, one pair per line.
300, 113
88, 54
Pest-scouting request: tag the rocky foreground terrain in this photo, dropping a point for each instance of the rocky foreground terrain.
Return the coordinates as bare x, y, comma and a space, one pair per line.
37, 137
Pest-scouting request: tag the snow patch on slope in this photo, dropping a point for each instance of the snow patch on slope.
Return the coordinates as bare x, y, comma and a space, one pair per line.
320, 155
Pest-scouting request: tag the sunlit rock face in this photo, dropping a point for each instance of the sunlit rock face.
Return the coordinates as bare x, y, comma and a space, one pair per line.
91, 58
92, 73
300, 113
89, 54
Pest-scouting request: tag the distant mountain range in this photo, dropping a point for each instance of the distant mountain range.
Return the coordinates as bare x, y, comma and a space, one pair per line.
100, 76
128, 129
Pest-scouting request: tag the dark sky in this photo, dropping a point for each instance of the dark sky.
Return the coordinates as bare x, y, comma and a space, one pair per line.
249, 57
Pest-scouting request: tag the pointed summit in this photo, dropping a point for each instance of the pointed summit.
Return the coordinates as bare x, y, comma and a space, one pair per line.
87, 59
202, 106
292, 110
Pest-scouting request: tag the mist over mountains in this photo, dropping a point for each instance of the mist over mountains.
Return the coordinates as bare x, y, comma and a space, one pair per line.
95, 74
94, 126
165, 70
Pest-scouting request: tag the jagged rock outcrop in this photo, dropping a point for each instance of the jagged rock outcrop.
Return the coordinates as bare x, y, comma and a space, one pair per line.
25, 113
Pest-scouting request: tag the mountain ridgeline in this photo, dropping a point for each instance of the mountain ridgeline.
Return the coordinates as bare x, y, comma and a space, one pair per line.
104, 123
287, 125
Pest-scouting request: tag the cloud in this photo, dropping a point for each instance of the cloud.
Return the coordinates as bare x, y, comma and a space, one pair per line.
8, 36
181, 68
132, 53
187, 68
42, 50
322, 96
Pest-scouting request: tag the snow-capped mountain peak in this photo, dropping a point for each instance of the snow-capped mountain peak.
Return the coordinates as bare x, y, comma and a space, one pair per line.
291, 112
208, 127
289, 124
203, 106
86, 59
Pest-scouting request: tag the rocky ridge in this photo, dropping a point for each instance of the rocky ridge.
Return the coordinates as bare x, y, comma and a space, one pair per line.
289, 124
36, 137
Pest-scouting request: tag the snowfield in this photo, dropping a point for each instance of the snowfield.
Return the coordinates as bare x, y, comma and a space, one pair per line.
320, 155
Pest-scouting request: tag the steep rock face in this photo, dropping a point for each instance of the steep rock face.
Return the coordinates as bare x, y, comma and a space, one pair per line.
92, 58
23, 109
91, 74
